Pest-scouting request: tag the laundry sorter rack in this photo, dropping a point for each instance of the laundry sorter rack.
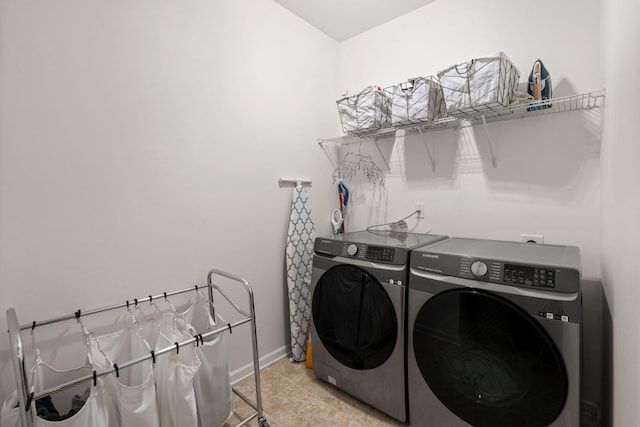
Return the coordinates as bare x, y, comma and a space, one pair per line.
26, 397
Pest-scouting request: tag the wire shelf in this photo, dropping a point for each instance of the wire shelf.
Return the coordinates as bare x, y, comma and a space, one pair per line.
482, 115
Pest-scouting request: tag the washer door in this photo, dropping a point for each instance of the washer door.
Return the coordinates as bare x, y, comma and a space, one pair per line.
488, 361
354, 317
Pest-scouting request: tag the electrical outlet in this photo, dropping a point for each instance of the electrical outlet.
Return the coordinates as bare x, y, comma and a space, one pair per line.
532, 238
420, 208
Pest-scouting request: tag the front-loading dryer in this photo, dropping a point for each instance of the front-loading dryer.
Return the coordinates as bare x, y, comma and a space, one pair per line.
494, 335
358, 308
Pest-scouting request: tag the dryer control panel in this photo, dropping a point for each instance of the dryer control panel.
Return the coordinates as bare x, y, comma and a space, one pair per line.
361, 251
511, 274
368, 253
375, 253
379, 247
532, 276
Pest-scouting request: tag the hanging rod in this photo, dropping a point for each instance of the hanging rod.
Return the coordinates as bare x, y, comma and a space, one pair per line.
228, 327
80, 313
284, 181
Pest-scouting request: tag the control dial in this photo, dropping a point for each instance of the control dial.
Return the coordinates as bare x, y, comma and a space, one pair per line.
479, 269
352, 249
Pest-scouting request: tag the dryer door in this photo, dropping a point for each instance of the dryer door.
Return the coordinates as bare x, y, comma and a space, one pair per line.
488, 361
354, 317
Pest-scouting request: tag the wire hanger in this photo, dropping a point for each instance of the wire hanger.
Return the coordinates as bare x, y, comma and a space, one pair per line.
133, 319
354, 164
87, 339
201, 294
166, 299
33, 335
174, 313
146, 319
153, 304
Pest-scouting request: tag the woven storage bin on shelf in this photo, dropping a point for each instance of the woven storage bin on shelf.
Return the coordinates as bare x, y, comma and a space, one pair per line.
368, 110
415, 101
480, 84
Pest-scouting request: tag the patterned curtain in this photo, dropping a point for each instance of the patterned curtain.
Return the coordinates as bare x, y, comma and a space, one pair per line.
298, 256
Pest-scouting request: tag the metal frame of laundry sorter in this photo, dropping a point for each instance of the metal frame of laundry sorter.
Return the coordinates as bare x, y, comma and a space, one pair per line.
20, 370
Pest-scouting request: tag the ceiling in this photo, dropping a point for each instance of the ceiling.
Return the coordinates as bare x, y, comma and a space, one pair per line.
342, 19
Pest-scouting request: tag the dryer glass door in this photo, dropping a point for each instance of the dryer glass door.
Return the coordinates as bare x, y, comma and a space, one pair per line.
354, 317
488, 361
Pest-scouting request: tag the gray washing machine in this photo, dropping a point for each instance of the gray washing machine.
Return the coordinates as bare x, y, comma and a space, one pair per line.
494, 334
358, 306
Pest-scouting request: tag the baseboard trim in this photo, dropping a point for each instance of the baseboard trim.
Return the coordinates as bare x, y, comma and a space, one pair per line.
266, 360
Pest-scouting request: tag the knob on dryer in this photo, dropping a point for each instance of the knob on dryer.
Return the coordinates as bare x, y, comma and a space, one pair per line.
352, 249
479, 269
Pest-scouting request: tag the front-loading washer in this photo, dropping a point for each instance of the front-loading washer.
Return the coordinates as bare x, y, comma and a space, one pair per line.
494, 334
358, 308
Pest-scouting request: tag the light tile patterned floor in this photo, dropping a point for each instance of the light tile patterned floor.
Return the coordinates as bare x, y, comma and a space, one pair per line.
292, 396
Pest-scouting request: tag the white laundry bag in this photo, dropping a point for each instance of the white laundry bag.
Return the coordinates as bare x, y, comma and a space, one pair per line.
99, 410
10, 412
134, 389
212, 384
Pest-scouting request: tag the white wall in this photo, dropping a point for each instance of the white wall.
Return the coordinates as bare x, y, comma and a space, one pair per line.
547, 175
141, 144
621, 204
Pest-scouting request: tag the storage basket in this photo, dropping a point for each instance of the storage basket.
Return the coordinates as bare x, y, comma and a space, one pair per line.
417, 100
366, 111
482, 84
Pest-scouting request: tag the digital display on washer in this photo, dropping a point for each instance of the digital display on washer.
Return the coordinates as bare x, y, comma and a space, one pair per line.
375, 253
530, 276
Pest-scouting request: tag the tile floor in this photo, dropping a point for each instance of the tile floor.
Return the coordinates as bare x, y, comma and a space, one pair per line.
292, 396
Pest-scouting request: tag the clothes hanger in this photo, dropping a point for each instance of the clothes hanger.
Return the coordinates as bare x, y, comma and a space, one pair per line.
146, 319
153, 304
166, 299
354, 164
87, 341
157, 312
206, 301
174, 314
201, 294
134, 321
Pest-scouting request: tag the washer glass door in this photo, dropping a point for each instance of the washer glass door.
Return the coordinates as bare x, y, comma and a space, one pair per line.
488, 361
354, 317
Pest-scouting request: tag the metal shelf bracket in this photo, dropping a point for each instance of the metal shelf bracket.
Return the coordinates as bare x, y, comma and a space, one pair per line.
381, 155
486, 129
426, 147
